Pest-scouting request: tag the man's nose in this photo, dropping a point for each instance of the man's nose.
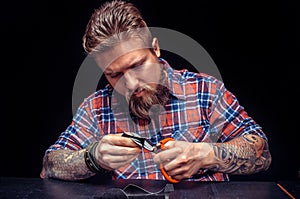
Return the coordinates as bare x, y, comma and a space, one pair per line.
131, 82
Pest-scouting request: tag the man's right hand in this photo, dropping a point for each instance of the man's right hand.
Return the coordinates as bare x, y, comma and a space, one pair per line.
114, 151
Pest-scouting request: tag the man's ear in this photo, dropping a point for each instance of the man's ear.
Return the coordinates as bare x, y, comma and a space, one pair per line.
155, 46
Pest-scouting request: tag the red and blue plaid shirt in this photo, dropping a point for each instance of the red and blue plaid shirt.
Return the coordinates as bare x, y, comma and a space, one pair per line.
200, 109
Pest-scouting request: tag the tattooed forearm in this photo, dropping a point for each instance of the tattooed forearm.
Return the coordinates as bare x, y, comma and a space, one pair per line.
243, 155
65, 165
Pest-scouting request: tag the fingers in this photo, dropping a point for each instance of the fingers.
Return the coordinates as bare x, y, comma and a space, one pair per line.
182, 172
114, 151
179, 159
118, 158
116, 145
118, 140
109, 149
170, 144
115, 162
179, 170
167, 155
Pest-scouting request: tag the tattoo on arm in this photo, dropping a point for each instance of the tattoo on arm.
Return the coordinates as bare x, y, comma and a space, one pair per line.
243, 155
66, 165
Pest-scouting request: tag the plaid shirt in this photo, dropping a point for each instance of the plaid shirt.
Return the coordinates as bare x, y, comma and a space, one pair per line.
200, 109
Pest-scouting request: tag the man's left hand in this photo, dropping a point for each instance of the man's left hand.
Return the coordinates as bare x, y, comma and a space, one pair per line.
183, 159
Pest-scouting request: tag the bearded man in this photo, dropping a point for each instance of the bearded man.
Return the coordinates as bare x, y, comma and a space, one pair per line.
213, 136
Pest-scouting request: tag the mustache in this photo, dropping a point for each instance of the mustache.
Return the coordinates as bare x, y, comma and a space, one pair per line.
147, 88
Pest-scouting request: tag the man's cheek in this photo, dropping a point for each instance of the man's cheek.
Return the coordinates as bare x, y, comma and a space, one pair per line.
121, 90
118, 85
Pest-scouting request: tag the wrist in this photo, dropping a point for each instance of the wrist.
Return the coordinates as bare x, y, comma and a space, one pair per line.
90, 159
207, 155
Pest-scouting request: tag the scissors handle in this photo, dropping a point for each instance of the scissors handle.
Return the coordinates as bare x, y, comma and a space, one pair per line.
161, 167
164, 141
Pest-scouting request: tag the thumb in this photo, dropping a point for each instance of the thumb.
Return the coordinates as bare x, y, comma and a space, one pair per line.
168, 145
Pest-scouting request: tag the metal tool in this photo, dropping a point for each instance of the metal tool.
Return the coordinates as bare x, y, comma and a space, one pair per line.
146, 144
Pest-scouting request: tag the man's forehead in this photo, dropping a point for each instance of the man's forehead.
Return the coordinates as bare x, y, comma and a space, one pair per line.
104, 59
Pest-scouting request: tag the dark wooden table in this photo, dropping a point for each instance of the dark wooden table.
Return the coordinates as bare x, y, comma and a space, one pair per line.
96, 188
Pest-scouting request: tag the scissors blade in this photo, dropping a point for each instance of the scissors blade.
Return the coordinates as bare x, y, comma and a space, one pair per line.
149, 146
140, 141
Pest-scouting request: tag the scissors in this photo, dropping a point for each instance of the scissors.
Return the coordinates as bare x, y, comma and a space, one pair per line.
144, 143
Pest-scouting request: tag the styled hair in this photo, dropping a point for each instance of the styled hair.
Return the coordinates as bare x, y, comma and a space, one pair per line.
113, 22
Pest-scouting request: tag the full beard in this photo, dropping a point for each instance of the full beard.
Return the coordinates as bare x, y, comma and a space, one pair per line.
145, 106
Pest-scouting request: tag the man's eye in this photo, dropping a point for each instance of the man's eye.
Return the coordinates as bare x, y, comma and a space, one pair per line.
137, 67
114, 75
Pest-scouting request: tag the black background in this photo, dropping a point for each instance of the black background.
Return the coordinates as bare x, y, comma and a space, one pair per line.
253, 43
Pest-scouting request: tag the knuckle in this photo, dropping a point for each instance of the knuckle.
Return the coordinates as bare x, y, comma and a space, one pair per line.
101, 149
184, 159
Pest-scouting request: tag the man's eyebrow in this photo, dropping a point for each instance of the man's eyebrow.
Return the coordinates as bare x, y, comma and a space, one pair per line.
107, 71
138, 62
